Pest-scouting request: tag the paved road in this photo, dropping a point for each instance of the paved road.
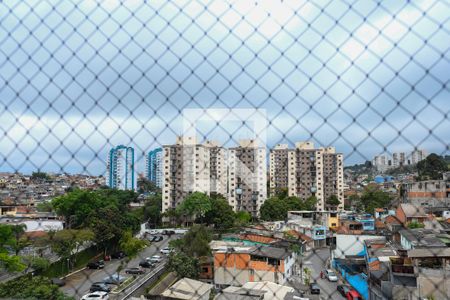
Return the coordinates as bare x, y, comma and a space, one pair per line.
79, 284
316, 261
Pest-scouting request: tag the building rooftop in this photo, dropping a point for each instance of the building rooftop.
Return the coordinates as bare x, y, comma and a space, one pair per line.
412, 211
272, 290
187, 288
392, 220
429, 252
272, 252
239, 293
263, 251
421, 237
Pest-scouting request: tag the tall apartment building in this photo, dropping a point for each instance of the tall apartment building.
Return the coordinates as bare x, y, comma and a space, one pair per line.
218, 168
247, 176
306, 171
381, 163
417, 155
154, 166
120, 168
191, 167
398, 159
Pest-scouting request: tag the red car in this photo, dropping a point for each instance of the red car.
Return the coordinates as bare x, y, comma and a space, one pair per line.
353, 295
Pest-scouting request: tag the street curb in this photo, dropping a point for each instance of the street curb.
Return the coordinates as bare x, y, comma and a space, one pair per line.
74, 272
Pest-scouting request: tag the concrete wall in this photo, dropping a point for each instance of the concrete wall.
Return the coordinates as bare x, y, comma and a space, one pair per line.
434, 285
347, 244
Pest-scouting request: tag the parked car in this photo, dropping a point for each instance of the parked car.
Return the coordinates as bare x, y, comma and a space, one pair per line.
154, 259
99, 287
146, 264
96, 295
99, 264
343, 289
153, 231
58, 282
331, 275
135, 271
118, 255
158, 238
114, 279
314, 289
353, 295
166, 250
168, 232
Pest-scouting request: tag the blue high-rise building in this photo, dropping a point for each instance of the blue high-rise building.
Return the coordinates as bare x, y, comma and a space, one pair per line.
120, 168
154, 166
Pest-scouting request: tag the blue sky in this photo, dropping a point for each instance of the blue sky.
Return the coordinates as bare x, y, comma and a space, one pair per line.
77, 77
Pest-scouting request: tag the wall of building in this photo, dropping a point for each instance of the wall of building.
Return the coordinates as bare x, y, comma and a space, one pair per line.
434, 285
347, 244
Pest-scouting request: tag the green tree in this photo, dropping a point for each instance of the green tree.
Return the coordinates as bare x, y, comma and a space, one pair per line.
184, 265
372, 197
281, 193
196, 205
333, 200
78, 205
147, 186
131, 245
310, 203
19, 240
108, 226
39, 176
432, 167
152, 210
10, 263
195, 242
354, 202
27, 287
36, 263
242, 218
221, 214
67, 242
273, 209
293, 203
174, 216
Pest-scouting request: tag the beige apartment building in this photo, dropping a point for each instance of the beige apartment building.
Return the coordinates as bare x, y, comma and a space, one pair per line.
247, 177
307, 171
192, 167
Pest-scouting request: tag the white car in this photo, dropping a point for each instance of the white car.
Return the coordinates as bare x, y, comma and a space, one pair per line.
166, 250
96, 295
331, 275
154, 259
153, 231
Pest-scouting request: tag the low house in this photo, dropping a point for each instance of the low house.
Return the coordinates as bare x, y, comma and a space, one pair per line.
432, 269
407, 213
422, 238
330, 219
318, 233
390, 274
238, 265
367, 221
